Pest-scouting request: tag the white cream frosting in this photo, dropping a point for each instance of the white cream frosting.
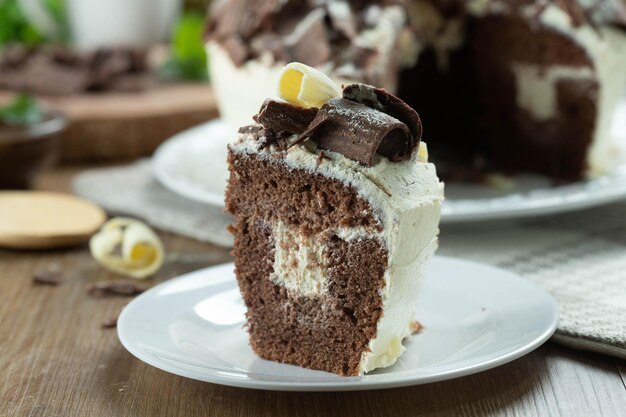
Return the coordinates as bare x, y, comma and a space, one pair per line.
406, 197
240, 91
299, 261
536, 86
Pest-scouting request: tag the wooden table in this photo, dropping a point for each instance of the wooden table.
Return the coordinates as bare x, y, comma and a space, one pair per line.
56, 360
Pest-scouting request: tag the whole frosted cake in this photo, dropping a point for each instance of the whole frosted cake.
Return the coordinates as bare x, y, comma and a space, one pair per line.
503, 85
336, 214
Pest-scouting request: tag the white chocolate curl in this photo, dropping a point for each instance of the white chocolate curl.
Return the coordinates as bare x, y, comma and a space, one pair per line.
127, 246
305, 86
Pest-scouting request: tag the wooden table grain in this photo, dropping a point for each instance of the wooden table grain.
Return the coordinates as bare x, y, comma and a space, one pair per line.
56, 360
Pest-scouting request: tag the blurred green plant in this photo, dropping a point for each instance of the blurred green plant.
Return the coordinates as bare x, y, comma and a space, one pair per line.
188, 59
16, 28
57, 10
23, 110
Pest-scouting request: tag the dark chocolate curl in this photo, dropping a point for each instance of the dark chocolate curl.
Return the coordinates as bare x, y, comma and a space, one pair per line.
358, 132
379, 99
282, 116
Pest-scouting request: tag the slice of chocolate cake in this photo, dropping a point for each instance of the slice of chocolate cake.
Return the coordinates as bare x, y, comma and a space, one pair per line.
336, 216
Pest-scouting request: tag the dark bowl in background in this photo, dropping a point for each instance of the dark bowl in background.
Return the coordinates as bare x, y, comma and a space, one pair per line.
27, 150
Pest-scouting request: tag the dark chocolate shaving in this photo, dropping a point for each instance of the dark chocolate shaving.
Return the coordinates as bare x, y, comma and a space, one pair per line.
380, 99
236, 49
266, 136
250, 129
284, 140
125, 288
109, 323
309, 44
320, 158
359, 132
50, 276
256, 14
282, 116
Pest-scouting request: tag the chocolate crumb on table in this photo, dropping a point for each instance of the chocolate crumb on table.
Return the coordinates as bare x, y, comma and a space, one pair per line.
124, 288
109, 323
51, 276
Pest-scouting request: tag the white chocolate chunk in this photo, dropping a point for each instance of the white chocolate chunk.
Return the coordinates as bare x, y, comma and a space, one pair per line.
127, 246
305, 86
422, 152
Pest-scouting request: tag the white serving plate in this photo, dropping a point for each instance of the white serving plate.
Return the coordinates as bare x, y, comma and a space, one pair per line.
475, 317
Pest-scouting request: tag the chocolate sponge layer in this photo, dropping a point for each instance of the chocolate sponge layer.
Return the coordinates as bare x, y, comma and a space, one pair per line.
328, 331
272, 191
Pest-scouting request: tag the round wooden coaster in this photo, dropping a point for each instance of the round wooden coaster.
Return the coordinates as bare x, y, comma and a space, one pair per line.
42, 220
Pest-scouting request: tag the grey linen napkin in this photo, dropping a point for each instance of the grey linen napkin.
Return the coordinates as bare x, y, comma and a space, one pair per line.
132, 190
580, 258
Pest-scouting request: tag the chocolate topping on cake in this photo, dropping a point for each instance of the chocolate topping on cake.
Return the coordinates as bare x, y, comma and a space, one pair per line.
359, 132
366, 121
279, 115
593, 12
380, 99
250, 129
309, 43
236, 49
342, 19
319, 32
313, 32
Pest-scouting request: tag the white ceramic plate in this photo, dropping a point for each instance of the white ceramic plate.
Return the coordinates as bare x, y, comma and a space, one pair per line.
193, 164
476, 317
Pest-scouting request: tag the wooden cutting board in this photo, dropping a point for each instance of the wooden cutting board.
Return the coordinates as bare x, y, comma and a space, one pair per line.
113, 126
